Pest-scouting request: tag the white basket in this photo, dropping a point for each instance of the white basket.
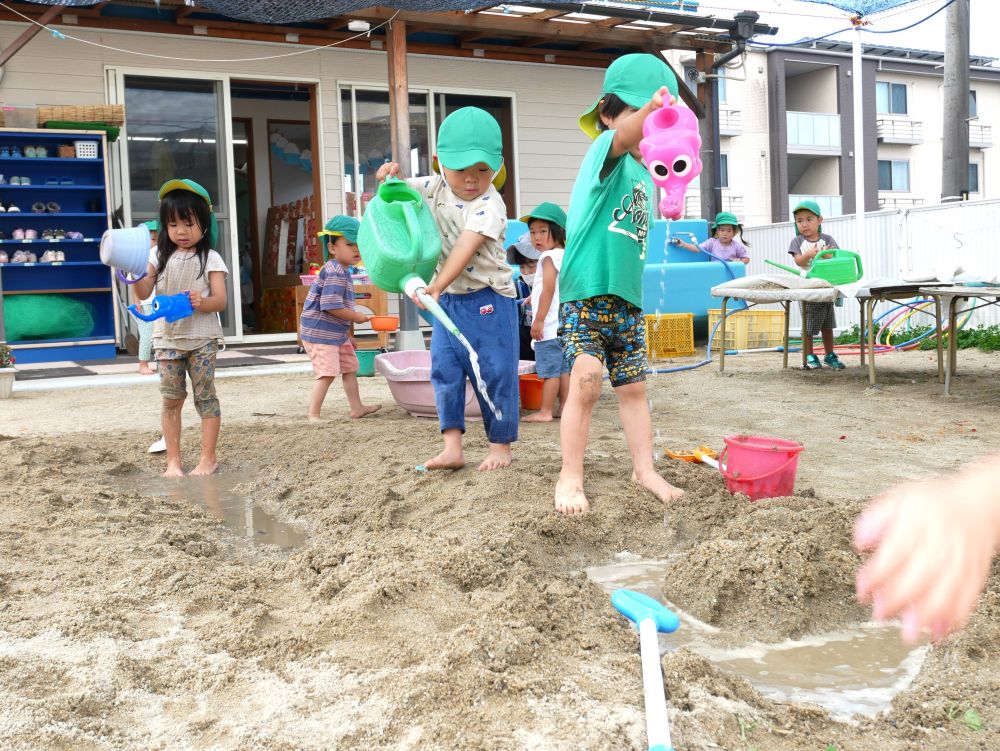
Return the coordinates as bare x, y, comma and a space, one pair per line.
85, 149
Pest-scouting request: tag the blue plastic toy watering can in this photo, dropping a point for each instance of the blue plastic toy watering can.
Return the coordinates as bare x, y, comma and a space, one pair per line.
171, 307
398, 239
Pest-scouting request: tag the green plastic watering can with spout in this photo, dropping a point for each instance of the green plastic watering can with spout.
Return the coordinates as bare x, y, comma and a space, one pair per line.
398, 239
836, 266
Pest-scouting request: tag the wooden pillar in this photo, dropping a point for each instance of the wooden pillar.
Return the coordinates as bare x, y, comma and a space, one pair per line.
709, 129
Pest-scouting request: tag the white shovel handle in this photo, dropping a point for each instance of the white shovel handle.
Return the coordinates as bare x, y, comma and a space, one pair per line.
657, 725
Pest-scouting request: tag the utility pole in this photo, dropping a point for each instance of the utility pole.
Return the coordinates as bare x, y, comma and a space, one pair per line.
955, 145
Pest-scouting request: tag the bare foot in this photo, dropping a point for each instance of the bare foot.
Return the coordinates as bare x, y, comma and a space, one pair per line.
174, 470
498, 457
570, 499
366, 409
446, 460
205, 467
655, 484
539, 417
316, 418
144, 369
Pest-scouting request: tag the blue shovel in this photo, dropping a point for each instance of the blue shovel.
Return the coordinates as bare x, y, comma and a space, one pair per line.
650, 618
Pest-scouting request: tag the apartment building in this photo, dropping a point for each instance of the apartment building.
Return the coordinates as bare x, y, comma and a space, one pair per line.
786, 123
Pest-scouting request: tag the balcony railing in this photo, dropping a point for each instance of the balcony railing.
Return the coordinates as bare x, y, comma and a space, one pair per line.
730, 121
828, 205
980, 136
898, 202
730, 202
813, 133
899, 131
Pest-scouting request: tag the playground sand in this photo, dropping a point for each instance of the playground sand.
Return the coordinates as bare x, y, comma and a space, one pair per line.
451, 610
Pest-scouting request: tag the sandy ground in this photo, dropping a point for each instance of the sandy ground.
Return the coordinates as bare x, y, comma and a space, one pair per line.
451, 610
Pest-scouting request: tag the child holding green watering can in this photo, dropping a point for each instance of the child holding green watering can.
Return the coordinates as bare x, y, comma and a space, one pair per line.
328, 318
473, 284
602, 323
723, 245
183, 262
810, 242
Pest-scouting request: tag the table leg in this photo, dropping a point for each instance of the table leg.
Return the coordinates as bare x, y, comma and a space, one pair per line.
722, 336
940, 348
861, 336
788, 310
802, 315
952, 346
871, 341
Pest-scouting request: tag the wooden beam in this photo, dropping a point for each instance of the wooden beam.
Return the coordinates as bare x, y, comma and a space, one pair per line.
540, 52
50, 14
399, 95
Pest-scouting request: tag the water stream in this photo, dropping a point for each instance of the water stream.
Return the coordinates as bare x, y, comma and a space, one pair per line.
854, 671
220, 495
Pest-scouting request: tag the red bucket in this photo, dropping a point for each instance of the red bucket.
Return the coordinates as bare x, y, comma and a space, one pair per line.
530, 387
759, 466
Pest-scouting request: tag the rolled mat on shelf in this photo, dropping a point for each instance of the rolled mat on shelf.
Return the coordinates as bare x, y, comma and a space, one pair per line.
108, 114
46, 317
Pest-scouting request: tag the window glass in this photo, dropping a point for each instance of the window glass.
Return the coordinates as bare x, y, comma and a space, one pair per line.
973, 112
881, 97
884, 175
898, 104
900, 175
724, 176
973, 178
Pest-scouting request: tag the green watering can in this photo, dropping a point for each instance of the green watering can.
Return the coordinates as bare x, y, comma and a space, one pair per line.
840, 267
398, 239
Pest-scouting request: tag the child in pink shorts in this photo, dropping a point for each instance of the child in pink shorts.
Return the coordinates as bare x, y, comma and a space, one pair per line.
327, 319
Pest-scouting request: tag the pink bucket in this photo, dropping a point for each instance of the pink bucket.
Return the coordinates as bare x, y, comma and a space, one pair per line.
759, 466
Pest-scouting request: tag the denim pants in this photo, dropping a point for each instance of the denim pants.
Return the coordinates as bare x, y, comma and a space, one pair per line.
489, 321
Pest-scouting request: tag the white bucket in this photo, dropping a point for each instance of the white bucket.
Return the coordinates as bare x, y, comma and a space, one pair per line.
126, 249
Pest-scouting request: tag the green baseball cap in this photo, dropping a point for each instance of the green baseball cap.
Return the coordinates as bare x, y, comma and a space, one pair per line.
547, 211
633, 79
810, 206
153, 225
193, 187
341, 226
726, 217
468, 136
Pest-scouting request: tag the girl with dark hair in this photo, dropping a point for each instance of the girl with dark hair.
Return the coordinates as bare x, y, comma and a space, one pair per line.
183, 262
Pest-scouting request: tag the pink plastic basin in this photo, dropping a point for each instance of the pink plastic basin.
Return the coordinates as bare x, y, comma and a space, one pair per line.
409, 377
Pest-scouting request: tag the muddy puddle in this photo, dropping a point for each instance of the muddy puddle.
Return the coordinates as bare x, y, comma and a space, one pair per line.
222, 496
853, 671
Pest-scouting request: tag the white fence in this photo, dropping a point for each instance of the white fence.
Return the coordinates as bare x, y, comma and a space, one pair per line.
897, 242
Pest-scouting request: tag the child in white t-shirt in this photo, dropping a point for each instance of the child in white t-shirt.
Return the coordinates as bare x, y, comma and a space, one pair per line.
547, 226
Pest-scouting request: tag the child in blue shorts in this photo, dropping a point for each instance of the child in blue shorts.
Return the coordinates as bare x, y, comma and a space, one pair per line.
473, 283
601, 280
547, 228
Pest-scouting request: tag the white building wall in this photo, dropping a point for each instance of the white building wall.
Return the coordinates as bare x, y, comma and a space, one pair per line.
813, 92
547, 98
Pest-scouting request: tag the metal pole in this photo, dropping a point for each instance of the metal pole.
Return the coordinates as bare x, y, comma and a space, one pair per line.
859, 145
955, 145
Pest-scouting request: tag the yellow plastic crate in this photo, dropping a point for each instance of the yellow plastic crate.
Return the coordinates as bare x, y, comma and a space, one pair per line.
669, 335
748, 329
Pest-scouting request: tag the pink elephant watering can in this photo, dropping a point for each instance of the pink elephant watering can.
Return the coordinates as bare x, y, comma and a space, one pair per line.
670, 147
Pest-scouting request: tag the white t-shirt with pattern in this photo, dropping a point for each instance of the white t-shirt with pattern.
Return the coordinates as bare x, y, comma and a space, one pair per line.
180, 275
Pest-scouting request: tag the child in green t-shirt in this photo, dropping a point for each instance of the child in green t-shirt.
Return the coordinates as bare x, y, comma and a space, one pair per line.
602, 323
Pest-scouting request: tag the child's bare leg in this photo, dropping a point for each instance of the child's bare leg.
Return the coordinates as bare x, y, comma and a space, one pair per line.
144, 368
350, 383
320, 387
208, 464
563, 393
827, 339
550, 388
637, 424
451, 457
170, 421
584, 391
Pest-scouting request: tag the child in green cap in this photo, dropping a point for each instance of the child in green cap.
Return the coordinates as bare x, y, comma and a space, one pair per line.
601, 279
473, 283
547, 229
328, 318
146, 307
183, 261
723, 245
821, 318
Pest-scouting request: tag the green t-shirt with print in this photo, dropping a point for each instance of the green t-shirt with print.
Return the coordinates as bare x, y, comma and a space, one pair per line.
608, 227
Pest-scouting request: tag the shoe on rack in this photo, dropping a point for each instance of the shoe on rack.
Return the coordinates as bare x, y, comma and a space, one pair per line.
832, 361
31, 234
60, 257
17, 234
49, 256
3, 257
812, 363
12, 208
31, 257
19, 257
38, 207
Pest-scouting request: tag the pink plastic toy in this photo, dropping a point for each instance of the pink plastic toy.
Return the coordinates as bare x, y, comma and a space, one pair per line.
670, 147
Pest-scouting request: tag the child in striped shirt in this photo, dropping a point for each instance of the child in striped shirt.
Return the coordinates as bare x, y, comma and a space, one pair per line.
327, 320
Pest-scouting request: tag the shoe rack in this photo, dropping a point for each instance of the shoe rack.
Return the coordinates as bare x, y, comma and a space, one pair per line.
60, 200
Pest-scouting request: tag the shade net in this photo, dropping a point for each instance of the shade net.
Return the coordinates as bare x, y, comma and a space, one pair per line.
292, 11
862, 7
